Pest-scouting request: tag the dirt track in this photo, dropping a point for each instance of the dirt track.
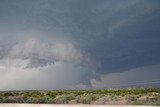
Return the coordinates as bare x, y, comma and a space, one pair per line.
56, 105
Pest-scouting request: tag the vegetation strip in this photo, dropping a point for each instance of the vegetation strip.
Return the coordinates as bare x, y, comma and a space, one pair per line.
132, 96
60, 105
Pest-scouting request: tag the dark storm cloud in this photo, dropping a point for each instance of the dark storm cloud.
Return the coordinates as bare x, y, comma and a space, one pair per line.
98, 37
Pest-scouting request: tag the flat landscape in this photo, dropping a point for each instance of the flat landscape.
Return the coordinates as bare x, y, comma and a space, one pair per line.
62, 105
131, 96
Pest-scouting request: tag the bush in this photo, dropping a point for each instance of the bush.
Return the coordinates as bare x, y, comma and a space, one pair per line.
51, 101
51, 94
86, 99
38, 100
14, 99
32, 100
8, 94
43, 100
1, 99
131, 98
63, 99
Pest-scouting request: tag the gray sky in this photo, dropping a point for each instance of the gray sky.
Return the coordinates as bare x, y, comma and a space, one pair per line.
79, 44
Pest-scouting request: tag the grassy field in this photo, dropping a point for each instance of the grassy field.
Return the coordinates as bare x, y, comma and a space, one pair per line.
132, 96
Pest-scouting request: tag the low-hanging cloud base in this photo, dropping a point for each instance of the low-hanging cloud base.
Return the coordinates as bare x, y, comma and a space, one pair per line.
79, 44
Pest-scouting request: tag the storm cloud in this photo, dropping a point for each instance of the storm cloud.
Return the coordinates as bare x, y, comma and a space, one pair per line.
78, 44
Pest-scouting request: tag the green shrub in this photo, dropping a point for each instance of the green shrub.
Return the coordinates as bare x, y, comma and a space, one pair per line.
137, 103
63, 99
8, 94
14, 99
51, 94
51, 101
32, 100
86, 99
1, 99
43, 100
131, 98
38, 100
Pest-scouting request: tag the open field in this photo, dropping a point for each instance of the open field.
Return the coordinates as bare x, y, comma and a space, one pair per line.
133, 96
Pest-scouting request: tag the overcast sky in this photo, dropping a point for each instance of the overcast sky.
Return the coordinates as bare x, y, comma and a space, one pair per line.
79, 44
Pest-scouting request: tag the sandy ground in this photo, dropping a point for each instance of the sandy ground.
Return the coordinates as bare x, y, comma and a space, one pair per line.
59, 105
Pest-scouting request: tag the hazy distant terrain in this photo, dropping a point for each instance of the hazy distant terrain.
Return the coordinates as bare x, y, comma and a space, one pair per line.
130, 96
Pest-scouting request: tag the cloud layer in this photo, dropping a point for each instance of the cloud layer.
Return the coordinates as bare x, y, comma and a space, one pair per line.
52, 44
54, 66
